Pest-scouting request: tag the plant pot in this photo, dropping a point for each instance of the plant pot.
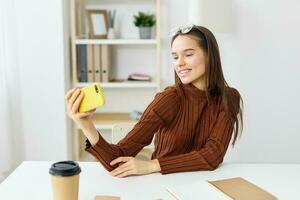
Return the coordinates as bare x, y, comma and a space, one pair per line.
145, 32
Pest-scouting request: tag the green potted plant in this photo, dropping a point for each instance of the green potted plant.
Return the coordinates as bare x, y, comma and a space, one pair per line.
145, 22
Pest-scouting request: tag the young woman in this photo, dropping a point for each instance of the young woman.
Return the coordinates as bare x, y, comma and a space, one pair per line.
193, 121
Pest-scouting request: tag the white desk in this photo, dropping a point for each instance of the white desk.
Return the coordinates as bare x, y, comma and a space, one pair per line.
31, 181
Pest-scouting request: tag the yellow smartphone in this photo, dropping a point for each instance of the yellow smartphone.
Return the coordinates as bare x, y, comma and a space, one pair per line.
93, 97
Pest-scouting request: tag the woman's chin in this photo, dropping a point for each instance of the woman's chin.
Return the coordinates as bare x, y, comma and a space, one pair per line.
185, 81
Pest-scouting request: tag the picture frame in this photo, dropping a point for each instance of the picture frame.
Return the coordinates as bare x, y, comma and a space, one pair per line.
97, 20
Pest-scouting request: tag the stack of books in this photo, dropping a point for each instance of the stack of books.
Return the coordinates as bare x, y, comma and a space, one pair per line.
139, 77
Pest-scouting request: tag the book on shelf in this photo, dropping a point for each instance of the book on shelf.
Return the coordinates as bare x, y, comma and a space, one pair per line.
90, 63
81, 63
106, 62
97, 63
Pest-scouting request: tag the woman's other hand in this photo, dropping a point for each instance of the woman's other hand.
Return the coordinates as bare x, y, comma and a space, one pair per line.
131, 166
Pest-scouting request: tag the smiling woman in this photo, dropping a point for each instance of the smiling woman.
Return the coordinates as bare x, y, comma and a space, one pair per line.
192, 121
200, 64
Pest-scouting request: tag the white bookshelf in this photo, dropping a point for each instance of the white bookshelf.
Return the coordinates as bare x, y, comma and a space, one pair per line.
117, 41
136, 92
126, 84
104, 127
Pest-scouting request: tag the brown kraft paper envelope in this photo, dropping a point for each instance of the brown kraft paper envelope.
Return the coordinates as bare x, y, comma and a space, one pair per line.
240, 189
100, 197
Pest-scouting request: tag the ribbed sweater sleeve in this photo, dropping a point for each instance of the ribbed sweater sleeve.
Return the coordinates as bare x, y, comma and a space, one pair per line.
158, 114
206, 158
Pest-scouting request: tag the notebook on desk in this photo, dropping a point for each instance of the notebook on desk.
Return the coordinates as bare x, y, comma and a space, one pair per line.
196, 190
239, 188
226, 189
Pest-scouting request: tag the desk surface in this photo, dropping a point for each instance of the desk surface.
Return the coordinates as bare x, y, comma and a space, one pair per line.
31, 181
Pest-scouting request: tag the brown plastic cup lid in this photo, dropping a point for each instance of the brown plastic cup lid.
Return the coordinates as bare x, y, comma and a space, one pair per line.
65, 168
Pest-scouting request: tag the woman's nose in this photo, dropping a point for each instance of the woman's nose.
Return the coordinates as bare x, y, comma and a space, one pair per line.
180, 62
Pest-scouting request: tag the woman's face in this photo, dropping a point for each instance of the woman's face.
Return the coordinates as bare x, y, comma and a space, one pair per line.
189, 60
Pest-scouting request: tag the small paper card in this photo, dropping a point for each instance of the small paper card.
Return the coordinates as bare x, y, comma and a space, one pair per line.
101, 197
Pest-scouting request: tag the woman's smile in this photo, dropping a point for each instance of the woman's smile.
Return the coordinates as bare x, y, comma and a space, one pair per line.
184, 72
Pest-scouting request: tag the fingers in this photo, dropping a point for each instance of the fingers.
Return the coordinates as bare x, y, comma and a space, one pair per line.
126, 169
76, 104
69, 94
121, 169
120, 159
126, 173
72, 100
85, 114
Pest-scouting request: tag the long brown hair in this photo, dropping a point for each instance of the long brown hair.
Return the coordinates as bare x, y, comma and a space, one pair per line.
216, 86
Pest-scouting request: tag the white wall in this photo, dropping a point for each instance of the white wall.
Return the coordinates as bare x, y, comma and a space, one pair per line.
42, 62
11, 142
266, 70
260, 58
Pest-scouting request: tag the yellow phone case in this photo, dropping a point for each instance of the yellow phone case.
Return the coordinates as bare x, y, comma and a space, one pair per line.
93, 97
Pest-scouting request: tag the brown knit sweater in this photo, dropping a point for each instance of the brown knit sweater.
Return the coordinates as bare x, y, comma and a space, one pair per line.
190, 134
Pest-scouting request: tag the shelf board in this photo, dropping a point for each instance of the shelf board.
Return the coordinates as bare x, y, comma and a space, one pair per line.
117, 41
104, 127
125, 84
107, 120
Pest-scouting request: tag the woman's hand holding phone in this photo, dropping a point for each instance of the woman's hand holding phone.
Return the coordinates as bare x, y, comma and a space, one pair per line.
81, 105
73, 99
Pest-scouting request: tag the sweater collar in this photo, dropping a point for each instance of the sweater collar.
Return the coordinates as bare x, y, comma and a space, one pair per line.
194, 90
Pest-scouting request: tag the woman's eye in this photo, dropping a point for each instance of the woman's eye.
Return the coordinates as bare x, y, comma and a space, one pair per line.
189, 55
175, 58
